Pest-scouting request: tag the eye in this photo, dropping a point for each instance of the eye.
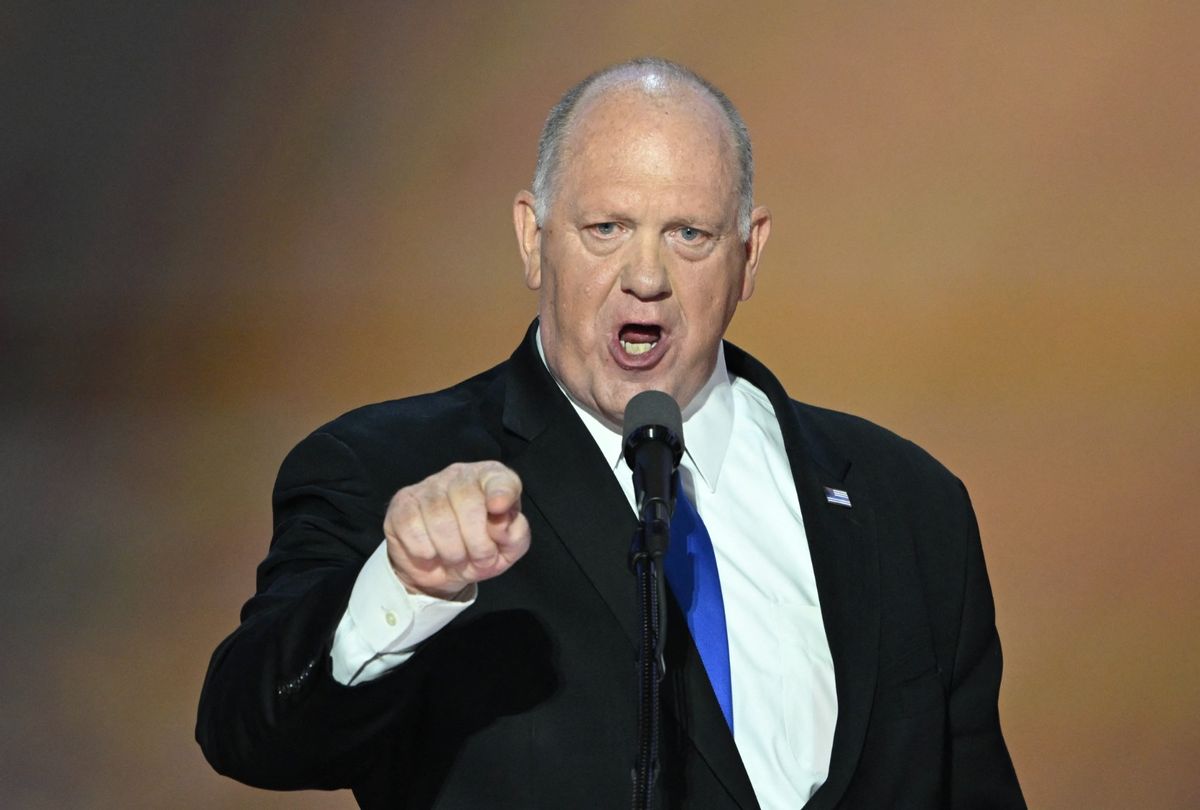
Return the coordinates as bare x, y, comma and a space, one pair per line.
693, 243
604, 229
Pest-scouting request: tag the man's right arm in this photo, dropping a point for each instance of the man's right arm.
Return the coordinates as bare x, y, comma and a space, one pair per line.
271, 713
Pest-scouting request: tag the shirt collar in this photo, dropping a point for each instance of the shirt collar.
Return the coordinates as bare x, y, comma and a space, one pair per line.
707, 423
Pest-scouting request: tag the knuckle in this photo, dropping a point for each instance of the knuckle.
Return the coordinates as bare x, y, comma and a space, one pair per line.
402, 506
423, 552
415, 543
453, 555
485, 561
426, 495
458, 471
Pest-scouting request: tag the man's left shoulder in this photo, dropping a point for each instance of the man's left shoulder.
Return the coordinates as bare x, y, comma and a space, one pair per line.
865, 443
895, 471
833, 439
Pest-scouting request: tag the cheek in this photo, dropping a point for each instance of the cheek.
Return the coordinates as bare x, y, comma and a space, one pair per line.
576, 310
733, 289
712, 303
582, 294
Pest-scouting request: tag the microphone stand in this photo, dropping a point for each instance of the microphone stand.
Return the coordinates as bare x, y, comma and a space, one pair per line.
646, 554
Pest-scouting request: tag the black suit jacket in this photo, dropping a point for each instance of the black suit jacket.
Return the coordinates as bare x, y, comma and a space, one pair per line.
528, 698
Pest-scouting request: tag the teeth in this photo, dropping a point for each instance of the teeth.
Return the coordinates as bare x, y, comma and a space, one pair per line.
637, 348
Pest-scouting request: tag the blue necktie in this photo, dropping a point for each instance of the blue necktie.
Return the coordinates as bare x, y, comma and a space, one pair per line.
691, 570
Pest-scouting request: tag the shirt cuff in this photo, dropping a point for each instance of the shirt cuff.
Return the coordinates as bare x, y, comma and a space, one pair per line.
384, 623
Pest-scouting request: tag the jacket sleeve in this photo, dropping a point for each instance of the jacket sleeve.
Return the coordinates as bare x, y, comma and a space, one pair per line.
981, 773
271, 715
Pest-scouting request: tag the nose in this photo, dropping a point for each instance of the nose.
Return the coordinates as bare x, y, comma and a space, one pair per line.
644, 273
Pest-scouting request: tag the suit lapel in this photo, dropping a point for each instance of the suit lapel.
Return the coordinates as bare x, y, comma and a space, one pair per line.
842, 544
569, 482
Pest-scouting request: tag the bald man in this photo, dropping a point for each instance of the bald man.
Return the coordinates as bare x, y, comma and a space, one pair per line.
446, 617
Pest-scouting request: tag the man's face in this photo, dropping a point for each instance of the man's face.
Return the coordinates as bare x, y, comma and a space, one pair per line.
639, 265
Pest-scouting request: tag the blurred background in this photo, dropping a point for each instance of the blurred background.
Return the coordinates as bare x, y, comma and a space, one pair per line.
222, 225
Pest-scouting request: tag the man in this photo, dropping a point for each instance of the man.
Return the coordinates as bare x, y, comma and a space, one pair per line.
446, 617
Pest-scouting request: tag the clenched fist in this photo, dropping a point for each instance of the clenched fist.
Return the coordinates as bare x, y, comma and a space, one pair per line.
458, 526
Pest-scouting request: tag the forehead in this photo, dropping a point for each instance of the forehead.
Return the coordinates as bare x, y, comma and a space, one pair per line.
626, 139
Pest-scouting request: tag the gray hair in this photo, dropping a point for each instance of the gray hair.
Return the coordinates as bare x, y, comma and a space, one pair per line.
558, 126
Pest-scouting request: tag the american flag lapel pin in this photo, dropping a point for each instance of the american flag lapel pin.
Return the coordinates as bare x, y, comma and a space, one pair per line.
837, 496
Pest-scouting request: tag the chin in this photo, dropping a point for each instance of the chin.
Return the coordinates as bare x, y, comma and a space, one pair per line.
629, 392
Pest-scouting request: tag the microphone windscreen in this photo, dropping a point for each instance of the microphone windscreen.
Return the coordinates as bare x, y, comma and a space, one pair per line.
652, 408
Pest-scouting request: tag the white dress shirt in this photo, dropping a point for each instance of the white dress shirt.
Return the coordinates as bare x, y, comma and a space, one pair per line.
784, 700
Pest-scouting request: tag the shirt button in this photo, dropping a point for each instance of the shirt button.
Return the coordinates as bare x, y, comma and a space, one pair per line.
390, 618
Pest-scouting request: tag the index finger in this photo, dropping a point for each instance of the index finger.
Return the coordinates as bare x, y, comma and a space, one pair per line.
501, 489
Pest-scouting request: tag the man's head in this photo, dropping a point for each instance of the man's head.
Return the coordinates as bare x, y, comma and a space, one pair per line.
639, 236
656, 77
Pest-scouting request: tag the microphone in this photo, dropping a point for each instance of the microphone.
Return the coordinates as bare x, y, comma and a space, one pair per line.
653, 446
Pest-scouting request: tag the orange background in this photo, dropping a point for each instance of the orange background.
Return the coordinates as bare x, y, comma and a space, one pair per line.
222, 227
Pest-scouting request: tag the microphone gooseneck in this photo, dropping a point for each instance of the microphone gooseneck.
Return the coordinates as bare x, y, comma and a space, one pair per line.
653, 446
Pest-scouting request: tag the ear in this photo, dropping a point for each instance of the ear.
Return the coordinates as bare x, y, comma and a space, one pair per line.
760, 229
529, 238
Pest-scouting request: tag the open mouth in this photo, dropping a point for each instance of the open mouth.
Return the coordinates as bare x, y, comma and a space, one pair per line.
639, 345
638, 338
